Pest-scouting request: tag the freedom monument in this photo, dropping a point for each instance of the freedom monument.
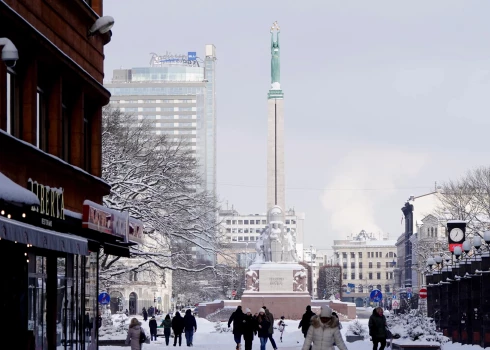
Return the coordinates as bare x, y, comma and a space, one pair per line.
275, 279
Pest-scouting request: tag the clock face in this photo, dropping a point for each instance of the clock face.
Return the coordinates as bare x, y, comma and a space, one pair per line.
456, 234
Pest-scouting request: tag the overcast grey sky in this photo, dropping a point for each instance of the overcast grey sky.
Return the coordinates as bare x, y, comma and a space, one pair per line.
382, 98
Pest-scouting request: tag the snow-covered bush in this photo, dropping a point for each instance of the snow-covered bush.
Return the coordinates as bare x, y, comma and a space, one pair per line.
414, 326
357, 328
221, 327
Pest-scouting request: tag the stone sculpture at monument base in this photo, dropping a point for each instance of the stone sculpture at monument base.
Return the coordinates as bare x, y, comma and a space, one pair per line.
282, 287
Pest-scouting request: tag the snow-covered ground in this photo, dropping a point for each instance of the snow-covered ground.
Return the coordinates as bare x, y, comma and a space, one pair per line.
207, 338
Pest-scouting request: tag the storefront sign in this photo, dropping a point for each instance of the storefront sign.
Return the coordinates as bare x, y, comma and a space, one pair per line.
99, 218
52, 201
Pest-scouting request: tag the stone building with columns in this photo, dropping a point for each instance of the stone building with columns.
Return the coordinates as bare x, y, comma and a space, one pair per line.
367, 263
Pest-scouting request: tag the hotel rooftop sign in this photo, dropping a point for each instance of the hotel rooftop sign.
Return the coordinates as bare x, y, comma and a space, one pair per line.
170, 59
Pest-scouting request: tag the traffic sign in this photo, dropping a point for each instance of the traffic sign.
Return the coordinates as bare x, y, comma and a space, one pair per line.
409, 295
395, 305
423, 293
376, 295
104, 298
394, 296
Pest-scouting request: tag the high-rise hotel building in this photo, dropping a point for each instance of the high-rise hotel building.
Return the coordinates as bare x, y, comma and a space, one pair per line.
177, 93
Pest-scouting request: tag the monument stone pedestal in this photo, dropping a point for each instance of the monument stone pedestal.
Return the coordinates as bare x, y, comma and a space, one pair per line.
279, 286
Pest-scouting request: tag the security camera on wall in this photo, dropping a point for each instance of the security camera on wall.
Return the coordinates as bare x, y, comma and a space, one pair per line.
10, 55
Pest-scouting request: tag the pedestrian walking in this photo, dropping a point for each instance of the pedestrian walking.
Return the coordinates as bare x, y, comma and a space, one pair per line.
270, 318
153, 328
263, 328
305, 322
377, 328
178, 328
134, 333
324, 332
190, 327
237, 317
281, 326
145, 314
167, 327
249, 329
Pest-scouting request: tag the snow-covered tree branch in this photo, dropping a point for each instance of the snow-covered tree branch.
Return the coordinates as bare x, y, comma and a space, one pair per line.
468, 198
155, 178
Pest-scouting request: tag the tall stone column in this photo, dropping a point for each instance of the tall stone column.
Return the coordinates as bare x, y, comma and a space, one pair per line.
275, 153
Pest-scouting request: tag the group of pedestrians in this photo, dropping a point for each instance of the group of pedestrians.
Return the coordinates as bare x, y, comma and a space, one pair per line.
247, 325
178, 324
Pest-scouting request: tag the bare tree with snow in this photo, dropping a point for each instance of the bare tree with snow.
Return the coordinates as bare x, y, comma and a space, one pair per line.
467, 198
155, 178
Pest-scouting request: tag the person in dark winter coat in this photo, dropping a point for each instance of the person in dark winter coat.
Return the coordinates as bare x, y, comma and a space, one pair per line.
270, 318
167, 327
145, 314
250, 327
263, 328
305, 322
153, 328
237, 317
178, 328
190, 326
377, 328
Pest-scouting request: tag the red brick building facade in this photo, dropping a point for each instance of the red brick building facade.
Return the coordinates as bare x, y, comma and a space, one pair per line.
50, 148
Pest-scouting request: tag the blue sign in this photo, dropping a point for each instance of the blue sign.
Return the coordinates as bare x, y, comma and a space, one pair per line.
191, 56
409, 295
104, 298
351, 285
376, 295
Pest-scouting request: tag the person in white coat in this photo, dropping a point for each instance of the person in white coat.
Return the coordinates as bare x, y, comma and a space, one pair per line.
324, 332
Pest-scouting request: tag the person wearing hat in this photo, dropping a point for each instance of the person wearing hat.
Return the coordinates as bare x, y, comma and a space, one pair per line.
305, 322
249, 328
153, 328
263, 328
237, 317
324, 332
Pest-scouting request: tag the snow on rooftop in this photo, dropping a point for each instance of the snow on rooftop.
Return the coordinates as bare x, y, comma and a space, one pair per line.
12, 192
